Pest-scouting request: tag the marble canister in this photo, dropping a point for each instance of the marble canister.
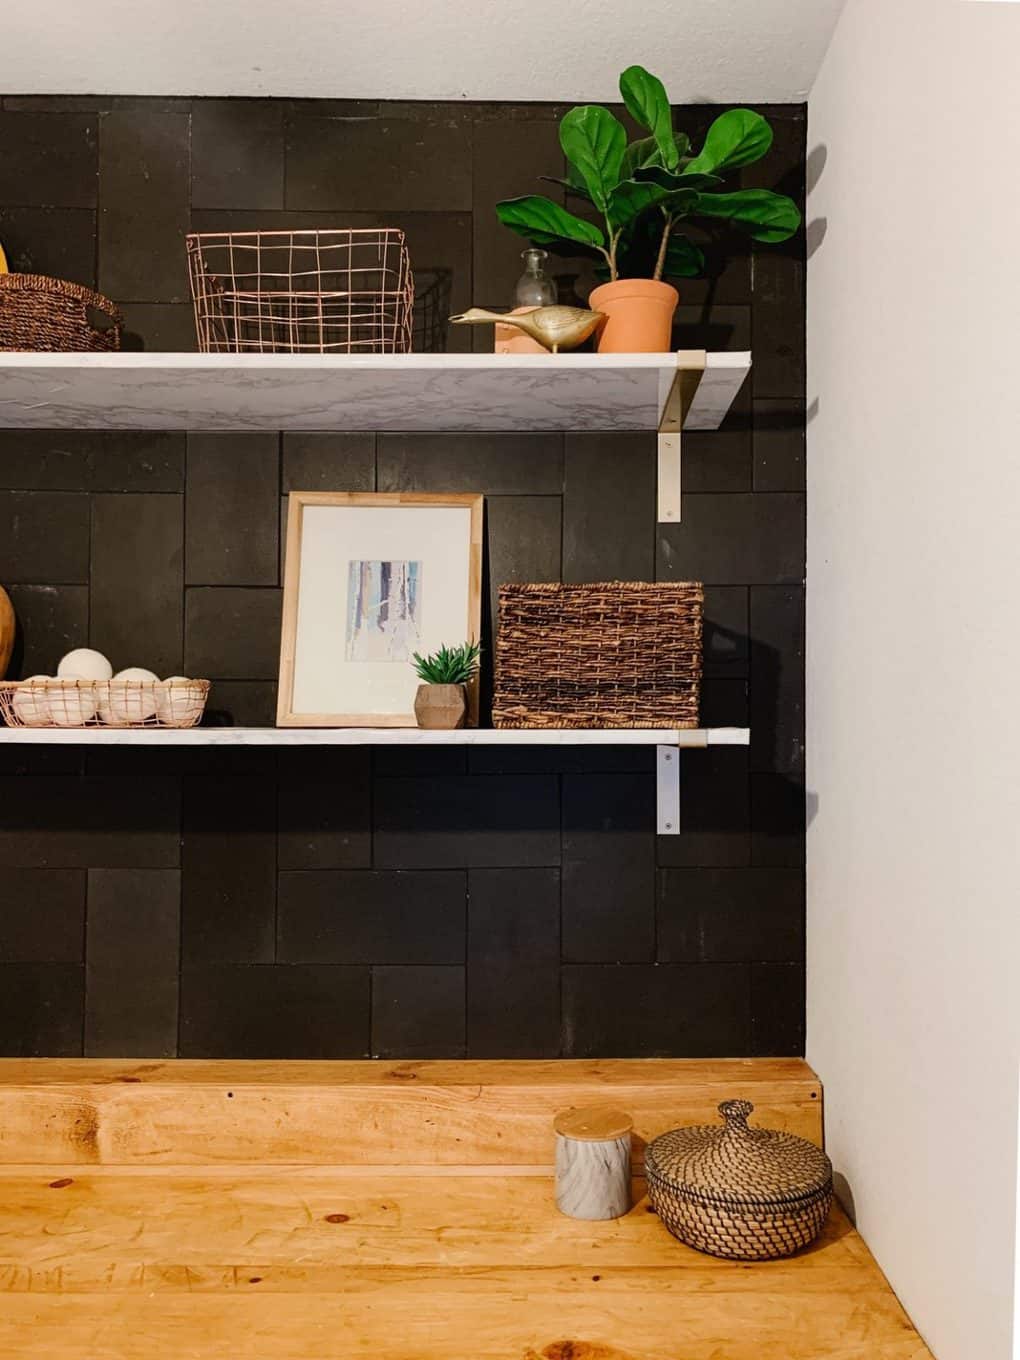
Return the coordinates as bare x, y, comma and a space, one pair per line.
593, 1163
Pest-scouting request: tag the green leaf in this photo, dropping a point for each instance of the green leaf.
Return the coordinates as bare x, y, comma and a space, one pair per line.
639, 154
683, 258
568, 186
684, 180
765, 215
594, 142
644, 154
736, 138
576, 181
645, 98
546, 223
632, 197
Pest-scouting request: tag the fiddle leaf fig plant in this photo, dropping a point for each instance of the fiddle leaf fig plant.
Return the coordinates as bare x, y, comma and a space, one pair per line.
644, 190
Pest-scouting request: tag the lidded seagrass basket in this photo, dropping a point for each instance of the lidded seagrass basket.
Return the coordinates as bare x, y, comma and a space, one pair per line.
743, 1193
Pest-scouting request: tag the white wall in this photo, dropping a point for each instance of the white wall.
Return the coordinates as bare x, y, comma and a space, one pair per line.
914, 647
722, 50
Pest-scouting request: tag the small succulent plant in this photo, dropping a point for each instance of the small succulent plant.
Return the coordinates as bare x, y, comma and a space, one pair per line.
449, 665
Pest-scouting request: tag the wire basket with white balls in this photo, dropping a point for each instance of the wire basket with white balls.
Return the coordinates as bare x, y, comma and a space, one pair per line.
85, 692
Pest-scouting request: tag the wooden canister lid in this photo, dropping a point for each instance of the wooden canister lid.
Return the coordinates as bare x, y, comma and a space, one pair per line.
593, 1124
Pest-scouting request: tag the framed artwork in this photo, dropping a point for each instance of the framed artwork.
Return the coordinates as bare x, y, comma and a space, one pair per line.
370, 579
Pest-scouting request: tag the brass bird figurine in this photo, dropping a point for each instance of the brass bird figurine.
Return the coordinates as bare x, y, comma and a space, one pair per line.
554, 327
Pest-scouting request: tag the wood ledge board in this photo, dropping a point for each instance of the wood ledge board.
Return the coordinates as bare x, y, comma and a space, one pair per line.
603, 1072
498, 1114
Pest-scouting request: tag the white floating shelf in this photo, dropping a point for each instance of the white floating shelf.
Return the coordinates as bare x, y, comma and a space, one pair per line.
691, 738
581, 392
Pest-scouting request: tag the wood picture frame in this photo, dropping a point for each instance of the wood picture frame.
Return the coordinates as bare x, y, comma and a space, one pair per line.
310, 669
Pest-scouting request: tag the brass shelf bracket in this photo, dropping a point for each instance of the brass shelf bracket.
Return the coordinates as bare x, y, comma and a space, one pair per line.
690, 366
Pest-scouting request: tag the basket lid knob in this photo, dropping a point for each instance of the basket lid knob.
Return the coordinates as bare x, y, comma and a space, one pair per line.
736, 1113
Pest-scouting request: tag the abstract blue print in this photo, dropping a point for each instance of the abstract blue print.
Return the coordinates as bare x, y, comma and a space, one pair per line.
383, 610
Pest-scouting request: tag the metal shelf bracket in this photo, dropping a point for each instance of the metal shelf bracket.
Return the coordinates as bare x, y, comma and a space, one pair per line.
667, 790
690, 365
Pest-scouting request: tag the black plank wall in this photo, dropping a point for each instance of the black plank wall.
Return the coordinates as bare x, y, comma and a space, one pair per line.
396, 903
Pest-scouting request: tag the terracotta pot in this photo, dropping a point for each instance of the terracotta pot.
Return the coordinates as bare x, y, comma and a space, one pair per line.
6, 631
639, 316
440, 707
509, 340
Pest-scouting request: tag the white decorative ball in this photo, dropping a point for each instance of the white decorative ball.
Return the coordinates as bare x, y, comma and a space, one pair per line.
84, 664
176, 698
121, 705
137, 673
31, 705
70, 704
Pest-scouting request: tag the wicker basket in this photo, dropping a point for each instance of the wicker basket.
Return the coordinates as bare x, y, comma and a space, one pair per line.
310, 292
103, 703
746, 1194
37, 313
617, 654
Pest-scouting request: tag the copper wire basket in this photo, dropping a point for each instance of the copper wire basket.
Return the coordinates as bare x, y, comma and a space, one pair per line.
103, 703
302, 292
42, 314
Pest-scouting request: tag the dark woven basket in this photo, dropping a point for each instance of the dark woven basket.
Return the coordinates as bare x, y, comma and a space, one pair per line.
615, 654
38, 313
746, 1194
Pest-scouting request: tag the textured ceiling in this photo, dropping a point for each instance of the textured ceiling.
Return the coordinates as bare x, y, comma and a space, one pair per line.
717, 50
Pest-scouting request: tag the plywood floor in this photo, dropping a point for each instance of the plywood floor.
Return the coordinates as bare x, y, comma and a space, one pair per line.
194, 1211
319, 1263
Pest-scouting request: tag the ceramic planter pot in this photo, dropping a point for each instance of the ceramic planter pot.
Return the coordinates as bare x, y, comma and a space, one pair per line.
509, 340
440, 707
6, 631
639, 316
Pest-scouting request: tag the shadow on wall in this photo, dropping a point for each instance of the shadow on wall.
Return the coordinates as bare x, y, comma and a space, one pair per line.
432, 305
845, 1196
816, 230
818, 226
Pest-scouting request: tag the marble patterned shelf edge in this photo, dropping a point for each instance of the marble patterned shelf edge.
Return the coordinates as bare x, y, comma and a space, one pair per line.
576, 392
721, 381
694, 738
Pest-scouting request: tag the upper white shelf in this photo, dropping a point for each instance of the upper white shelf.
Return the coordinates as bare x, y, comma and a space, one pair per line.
364, 392
698, 737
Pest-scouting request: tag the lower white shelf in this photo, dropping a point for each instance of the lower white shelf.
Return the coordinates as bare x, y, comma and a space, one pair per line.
373, 736
666, 740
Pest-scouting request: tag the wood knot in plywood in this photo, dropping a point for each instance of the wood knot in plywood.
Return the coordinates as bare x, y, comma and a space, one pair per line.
84, 1131
579, 1350
403, 1074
